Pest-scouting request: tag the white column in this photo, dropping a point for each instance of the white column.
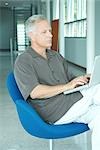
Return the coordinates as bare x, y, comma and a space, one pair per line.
38, 6
11, 46
55, 9
11, 52
61, 28
90, 34
48, 9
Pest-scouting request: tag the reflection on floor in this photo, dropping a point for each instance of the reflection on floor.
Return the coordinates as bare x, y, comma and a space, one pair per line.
13, 136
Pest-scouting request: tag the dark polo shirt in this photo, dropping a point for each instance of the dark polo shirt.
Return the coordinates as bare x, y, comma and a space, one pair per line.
32, 69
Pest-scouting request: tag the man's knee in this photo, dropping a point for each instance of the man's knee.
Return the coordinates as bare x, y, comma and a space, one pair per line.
96, 96
95, 123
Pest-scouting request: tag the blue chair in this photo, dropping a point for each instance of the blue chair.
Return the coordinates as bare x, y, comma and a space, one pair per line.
34, 124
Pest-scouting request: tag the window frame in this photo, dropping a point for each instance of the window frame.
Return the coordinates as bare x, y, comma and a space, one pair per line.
75, 24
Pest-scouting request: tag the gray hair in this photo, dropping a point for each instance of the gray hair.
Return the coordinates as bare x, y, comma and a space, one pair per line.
31, 22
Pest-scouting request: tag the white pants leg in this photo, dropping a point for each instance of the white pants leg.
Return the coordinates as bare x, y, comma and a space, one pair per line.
91, 96
96, 95
92, 118
95, 127
87, 110
81, 107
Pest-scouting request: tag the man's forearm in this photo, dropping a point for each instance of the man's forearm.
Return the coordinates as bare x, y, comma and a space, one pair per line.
45, 91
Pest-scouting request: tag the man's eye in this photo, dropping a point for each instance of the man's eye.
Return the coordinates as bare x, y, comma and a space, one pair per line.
50, 31
47, 31
44, 32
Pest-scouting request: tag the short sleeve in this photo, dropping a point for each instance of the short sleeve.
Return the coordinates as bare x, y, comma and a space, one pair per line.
25, 75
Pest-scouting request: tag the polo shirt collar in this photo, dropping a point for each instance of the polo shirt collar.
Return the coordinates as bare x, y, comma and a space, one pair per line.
35, 54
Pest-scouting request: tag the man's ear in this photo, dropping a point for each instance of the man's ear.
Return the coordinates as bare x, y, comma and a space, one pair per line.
31, 35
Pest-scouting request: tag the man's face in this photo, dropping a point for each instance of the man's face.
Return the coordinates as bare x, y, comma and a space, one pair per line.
42, 35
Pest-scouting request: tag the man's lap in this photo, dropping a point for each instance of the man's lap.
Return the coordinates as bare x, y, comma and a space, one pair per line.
85, 109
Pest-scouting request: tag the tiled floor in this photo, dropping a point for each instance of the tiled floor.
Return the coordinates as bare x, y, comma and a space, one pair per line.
13, 136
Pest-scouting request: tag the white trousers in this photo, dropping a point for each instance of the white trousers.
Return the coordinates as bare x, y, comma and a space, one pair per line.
87, 110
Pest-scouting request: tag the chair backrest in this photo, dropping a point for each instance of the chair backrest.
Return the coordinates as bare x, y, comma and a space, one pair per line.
28, 117
13, 88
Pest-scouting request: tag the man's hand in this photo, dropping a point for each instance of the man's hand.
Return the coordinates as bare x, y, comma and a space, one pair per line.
81, 80
88, 76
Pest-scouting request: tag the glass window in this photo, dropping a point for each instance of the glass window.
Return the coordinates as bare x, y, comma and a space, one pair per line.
22, 40
21, 36
75, 18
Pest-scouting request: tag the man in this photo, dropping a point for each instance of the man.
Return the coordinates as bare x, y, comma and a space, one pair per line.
43, 75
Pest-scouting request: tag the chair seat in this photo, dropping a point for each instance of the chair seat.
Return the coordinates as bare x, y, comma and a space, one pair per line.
34, 124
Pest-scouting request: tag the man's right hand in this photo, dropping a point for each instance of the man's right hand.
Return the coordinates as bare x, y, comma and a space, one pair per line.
78, 81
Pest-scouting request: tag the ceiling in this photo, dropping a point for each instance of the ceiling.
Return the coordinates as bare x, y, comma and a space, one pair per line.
18, 3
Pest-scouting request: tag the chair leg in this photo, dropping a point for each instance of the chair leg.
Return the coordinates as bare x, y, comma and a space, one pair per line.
51, 144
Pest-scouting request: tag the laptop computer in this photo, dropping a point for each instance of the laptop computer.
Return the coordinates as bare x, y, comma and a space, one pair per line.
94, 79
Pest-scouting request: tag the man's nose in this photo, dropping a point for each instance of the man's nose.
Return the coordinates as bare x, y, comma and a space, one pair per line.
50, 34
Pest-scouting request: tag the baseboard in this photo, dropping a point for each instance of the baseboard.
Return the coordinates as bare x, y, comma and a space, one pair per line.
4, 50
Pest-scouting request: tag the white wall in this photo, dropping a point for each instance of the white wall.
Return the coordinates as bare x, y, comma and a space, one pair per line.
75, 50
6, 28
